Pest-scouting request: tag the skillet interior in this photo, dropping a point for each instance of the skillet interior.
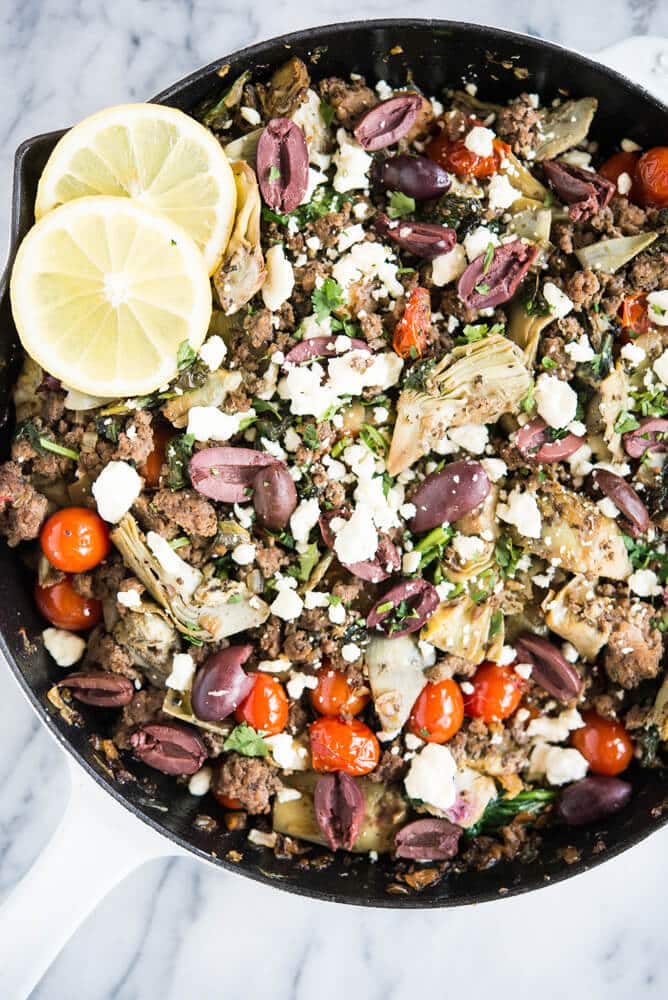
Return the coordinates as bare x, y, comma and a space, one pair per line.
437, 53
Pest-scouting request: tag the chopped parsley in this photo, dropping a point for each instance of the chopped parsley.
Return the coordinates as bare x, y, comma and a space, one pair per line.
419, 373
306, 563
309, 435
399, 205
482, 289
185, 356
178, 454
327, 298
327, 113
472, 333
40, 442
373, 439
549, 363
508, 556
247, 741
274, 173
433, 545
489, 257
625, 422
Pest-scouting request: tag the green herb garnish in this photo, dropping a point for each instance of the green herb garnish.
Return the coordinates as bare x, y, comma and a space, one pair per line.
247, 741
399, 205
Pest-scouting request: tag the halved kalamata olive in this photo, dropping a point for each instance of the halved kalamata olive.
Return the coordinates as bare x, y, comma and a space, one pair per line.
388, 121
416, 176
550, 668
385, 562
168, 747
99, 687
481, 288
456, 490
652, 435
321, 347
339, 809
282, 164
227, 474
404, 608
592, 799
624, 498
221, 684
428, 840
582, 190
422, 239
533, 443
274, 496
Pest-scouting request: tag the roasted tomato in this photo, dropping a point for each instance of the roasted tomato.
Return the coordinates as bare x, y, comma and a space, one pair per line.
75, 539
343, 746
455, 156
633, 313
334, 696
438, 712
623, 163
653, 176
64, 608
150, 470
226, 800
410, 333
497, 693
605, 744
266, 707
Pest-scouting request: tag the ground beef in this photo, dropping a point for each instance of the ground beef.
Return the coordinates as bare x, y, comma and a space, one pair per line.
448, 666
151, 520
146, 706
554, 349
335, 494
349, 589
518, 125
298, 645
635, 647
391, 768
562, 235
135, 443
349, 99
103, 581
270, 559
630, 219
648, 272
250, 780
189, 509
455, 124
328, 227
297, 718
104, 653
372, 329
53, 406
306, 276
582, 288
270, 636
22, 508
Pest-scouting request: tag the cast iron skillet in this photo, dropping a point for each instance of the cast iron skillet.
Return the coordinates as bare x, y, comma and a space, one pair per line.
437, 54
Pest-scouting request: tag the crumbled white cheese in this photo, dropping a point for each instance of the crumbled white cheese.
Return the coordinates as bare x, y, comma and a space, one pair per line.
521, 509
468, 547
287, 752
579, 462
184, 577
304, 517
349, 236
336, 614
558, 765
624, 183
278, 666
207, 423
629, 145
580, 350
250, 115
657, 309
473, 438
183, 671
357, 538
480, 141
314, 180
384, 90
478, 240
243, 554
523, 670
287, 605
559, 303
212, 352
569, 652
660, 367
262, 838
313, 391
556, 402
300, 682
607, 507
431, 777
501, 192
129, 598
449, 266
352, 164
634, 354
410, 562
495, 468
65, 647
351, 652
366, 261
287, 794
280, 279
115, 490
644, 583
555, 730
200, 782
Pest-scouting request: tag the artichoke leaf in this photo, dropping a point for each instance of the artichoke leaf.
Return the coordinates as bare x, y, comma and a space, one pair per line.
244, 148
604, 410
609, 255
461, 627
565, 126
242, 272
286, 90
482, 519
459, 571
532, 223
177, 704
148, 636
525, 330
579, 616
523, 180
396, 677
212, 393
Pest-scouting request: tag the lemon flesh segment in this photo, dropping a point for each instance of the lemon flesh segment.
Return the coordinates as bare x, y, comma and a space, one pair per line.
154, 154
103, 292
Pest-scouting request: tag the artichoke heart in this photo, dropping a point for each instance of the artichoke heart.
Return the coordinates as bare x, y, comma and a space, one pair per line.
609, 255
177, 704
565, 126
524, 329
211, 393
396, 677
242, 272
462, 628
150, 639
473, 384
580, 616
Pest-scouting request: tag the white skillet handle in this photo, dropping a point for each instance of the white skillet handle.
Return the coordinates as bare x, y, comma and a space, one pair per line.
96, 844
643, 58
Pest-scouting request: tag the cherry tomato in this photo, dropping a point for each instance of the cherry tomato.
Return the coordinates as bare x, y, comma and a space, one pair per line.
605, 744
633, 313
150, 470
410, 333
623, 163
343, 746
334, 695
653, 176
226, 800
454, 156
266, 707
497, 693
64, 608
438, 712
75, 539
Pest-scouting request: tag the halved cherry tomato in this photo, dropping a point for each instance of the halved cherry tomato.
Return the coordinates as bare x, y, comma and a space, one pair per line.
410, 333
497, 693
266, 707
653, 176
343, 746
604, 743
334, 695
633, 313
438, 712
150, 470
64, 608
623, 163
454, 156
75, 539
226, 800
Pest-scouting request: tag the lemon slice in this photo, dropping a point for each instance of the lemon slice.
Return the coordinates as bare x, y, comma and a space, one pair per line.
157, 155
103, 292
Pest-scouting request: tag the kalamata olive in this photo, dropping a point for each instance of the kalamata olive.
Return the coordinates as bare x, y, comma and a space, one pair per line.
221, 684
282, 164
385, 562
428, 840
388, 121
404, 608
624, 498
339, 809
652, 435
550, 668
423, 239
583, 191
456, 490
416, 176
592, 799
482, 285
99, 687
227, 474
533, 443
274, 496
321, 347
168, 747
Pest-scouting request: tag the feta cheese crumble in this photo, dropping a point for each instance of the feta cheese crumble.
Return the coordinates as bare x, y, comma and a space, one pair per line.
556, 402
66, 648
115, 490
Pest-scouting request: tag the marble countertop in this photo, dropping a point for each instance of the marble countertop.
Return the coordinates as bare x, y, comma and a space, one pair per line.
178, 929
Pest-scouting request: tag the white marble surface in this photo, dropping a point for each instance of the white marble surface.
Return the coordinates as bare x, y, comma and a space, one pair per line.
178, 929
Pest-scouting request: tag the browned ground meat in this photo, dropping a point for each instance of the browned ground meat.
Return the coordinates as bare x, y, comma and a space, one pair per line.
189, 509
328, 228
298, 645
518, 125
251, 780
562, 234
391, 768
297, 718
135, 443
649, 271
634, 650
582, 288
451, 666
145, 706
270, 559
270, 637
554, 349
349, 99
22, 508
151, 520
105, 653
103, 581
